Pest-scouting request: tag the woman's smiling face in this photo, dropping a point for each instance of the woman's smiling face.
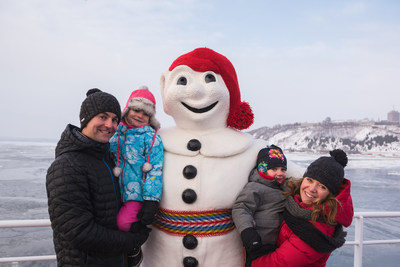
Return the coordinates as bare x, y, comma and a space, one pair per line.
312, 191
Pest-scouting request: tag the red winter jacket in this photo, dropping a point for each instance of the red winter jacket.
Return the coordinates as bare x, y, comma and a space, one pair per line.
293, 252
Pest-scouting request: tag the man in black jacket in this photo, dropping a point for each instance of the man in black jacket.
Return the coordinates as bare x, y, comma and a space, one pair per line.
83, 194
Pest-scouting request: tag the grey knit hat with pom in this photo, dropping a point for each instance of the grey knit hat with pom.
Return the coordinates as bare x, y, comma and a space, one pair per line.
98, 102
329, 170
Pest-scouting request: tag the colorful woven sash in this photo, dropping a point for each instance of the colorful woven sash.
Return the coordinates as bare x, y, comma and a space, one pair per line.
197, 223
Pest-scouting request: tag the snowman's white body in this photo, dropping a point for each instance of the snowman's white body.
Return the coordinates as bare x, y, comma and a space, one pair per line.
199, 103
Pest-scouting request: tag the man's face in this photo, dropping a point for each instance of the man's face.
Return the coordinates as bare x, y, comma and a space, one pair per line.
101, 127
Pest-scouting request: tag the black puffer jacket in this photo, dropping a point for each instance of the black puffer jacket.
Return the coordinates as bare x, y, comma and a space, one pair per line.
84, 199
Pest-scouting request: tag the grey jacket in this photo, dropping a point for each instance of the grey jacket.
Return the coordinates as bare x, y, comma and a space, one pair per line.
260, 204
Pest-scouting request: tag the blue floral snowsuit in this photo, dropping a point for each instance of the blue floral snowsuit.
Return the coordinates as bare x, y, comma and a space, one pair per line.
133, 147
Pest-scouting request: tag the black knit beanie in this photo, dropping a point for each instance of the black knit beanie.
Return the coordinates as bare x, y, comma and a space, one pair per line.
270, 157
98, 102
329, 170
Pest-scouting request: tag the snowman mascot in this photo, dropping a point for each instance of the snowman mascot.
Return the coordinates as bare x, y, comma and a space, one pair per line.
207, 161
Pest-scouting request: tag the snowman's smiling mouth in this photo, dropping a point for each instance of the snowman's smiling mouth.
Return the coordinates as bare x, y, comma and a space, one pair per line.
199, 110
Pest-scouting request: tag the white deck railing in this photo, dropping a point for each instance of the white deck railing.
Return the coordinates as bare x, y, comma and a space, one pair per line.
26, 223
358, 242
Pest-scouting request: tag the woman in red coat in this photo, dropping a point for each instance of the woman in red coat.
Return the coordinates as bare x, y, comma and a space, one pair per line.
318, 206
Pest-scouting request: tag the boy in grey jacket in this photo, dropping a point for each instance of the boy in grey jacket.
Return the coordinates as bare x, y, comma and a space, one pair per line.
257, 212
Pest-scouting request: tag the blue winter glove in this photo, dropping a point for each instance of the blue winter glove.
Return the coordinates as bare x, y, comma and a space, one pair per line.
147, 213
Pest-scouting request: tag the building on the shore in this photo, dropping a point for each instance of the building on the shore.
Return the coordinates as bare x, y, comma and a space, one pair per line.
393, 116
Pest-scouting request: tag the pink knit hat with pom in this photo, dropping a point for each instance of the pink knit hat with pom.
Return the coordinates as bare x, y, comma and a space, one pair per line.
143, 99
204, 59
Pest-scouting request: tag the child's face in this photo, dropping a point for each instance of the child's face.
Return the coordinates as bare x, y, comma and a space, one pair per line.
278, 173
136, 118
312, 190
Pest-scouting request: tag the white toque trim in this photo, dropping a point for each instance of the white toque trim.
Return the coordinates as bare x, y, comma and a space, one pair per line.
142, 100
143, 104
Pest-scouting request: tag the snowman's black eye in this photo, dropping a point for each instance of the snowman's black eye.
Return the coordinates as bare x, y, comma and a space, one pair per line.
209, 78
181, 81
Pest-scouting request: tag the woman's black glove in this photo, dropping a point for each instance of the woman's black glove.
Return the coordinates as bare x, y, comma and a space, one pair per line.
147, 213
258, 252
261, 251
251, 239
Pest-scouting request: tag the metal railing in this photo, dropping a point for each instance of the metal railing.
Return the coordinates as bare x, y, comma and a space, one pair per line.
358, 242
26, 223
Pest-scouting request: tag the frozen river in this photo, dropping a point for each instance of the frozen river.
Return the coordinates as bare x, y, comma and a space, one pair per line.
23, 166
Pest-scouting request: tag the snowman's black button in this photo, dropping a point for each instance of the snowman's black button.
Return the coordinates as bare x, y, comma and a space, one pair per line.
189, 172
190, 241
194, 145
189, 196
190, 262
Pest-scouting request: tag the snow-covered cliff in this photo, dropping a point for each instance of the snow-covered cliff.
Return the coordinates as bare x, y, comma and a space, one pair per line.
353, 137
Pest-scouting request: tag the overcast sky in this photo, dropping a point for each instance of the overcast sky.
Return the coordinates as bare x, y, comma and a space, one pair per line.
296, 61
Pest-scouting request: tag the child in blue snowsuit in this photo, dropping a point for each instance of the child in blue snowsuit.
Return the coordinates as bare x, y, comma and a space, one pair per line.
138, 153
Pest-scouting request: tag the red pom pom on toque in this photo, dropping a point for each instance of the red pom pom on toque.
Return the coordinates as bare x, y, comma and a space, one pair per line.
241, 117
